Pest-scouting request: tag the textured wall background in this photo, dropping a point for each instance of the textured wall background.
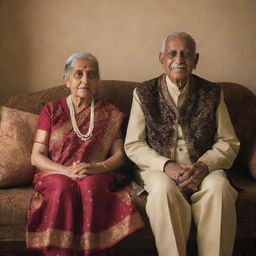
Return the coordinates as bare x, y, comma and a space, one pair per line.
125, 35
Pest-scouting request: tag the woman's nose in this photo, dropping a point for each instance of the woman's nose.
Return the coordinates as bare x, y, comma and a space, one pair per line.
84, 78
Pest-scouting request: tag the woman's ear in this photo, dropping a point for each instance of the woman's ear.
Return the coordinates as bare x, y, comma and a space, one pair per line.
65, 78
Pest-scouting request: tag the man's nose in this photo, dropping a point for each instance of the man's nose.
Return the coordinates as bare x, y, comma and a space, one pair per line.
179, 58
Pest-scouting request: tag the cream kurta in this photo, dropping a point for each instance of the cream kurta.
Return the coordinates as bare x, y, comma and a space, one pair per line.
212, 207
221, 156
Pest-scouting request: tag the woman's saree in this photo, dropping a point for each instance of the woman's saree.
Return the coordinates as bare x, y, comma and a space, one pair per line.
79, 217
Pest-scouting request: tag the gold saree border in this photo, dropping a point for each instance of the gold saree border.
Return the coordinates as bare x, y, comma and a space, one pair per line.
88, 241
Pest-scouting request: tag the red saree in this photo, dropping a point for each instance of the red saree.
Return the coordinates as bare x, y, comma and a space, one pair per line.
79, 217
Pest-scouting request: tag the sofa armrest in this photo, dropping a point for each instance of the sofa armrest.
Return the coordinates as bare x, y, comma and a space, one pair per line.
252, 160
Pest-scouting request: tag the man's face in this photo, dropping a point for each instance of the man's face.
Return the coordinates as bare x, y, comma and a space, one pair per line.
179, 59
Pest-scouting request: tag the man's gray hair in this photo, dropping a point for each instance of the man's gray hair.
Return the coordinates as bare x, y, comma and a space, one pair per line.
182, 34
80, 55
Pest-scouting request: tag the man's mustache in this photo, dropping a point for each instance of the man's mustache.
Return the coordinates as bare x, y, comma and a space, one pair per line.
178, 66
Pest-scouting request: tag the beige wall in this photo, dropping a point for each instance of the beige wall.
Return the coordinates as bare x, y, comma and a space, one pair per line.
125, 35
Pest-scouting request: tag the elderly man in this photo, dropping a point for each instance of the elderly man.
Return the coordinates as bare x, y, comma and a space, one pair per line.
181, 138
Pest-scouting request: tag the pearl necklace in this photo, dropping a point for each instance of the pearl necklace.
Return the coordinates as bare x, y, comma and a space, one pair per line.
86, 136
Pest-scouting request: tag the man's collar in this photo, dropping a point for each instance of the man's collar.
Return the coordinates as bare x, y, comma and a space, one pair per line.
174, 86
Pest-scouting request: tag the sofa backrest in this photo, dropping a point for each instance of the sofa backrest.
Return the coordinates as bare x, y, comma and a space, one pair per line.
117, 92
241, 103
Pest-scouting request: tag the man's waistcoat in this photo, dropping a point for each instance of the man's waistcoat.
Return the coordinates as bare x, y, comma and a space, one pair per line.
196, 116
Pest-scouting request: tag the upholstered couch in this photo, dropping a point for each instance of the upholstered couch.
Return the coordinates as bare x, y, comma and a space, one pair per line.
17, 126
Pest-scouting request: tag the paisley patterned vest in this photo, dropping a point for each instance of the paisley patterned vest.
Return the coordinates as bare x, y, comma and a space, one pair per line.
196, 116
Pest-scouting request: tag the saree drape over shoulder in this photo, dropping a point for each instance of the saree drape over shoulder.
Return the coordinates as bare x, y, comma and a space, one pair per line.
79, 216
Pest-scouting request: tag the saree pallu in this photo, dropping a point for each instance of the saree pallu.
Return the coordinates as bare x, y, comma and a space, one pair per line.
79, 217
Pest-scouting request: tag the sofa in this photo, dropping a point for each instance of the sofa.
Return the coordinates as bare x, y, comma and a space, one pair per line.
18, 120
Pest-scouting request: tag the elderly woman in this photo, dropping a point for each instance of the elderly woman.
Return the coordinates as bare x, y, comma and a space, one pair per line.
78, 142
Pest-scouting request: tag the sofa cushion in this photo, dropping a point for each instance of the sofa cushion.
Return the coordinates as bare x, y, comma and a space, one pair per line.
13, 212
17, 129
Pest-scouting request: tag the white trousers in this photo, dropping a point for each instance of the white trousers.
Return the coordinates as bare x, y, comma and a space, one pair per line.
212, 208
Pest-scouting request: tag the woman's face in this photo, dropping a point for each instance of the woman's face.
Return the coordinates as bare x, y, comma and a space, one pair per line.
83, 79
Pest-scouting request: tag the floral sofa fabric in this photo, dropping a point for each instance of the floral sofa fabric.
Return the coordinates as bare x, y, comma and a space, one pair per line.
18, 120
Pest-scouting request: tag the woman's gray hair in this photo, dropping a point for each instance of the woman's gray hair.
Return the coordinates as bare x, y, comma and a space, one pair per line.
80, 55
182, 34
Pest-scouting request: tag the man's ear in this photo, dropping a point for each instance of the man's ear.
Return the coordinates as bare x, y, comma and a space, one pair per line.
161, 56
196, 60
